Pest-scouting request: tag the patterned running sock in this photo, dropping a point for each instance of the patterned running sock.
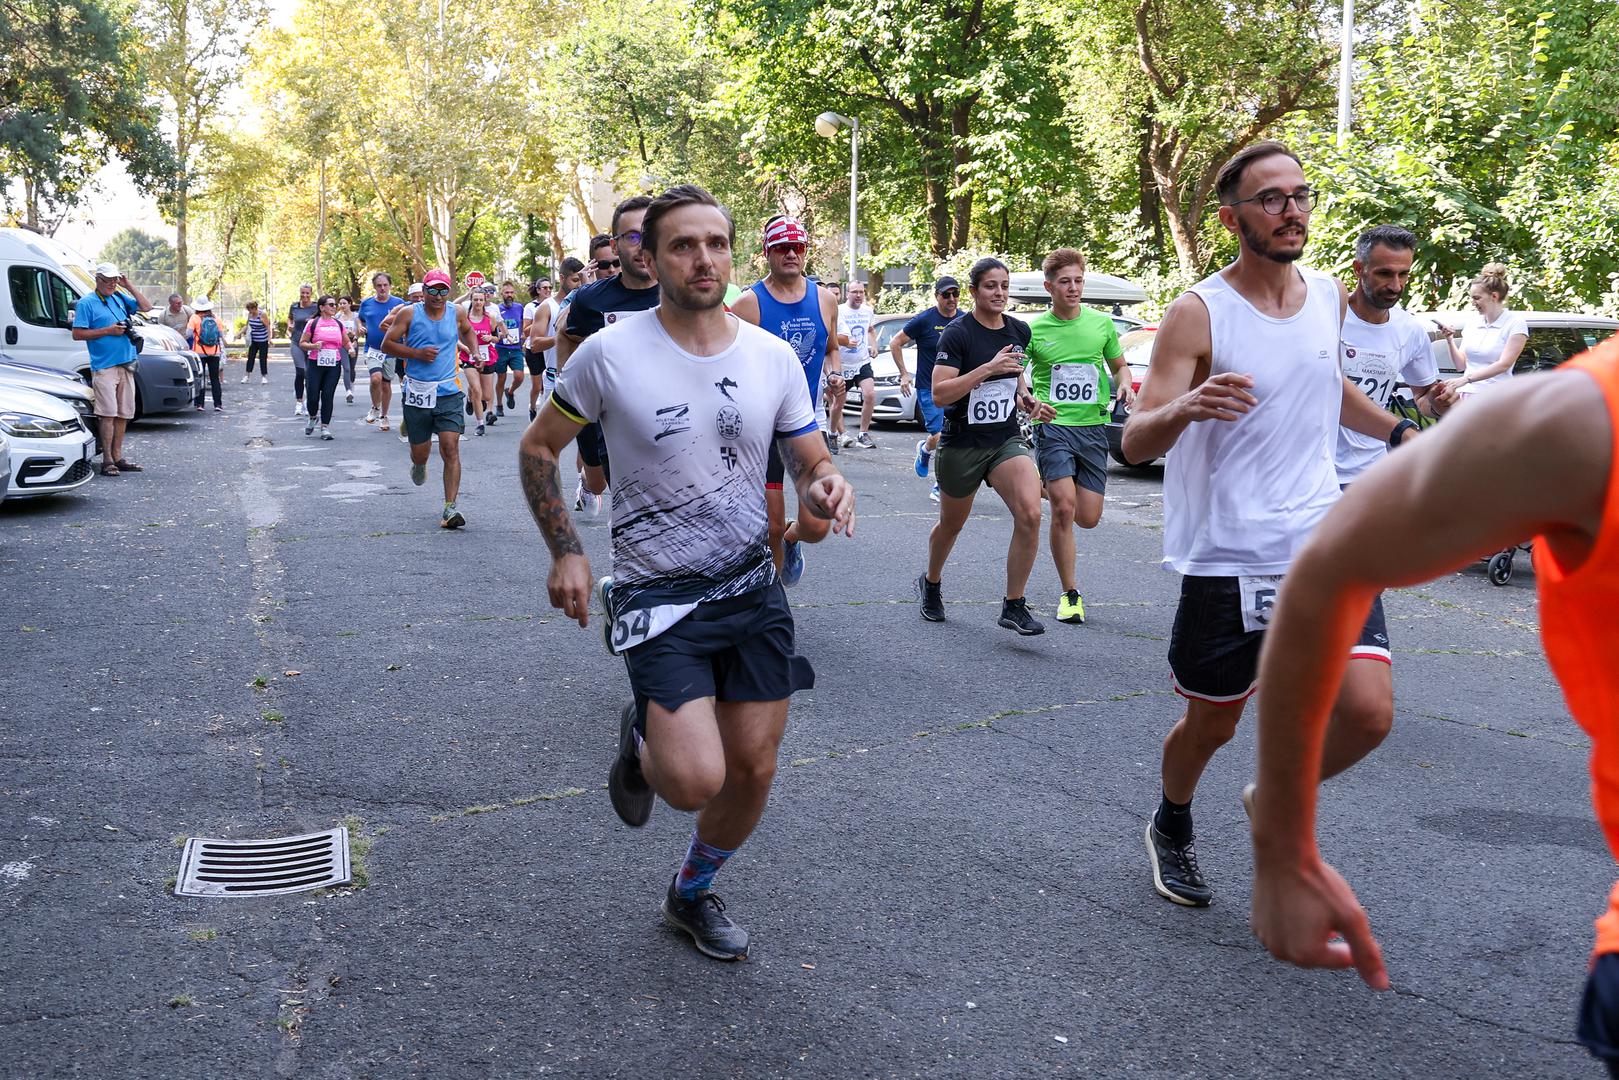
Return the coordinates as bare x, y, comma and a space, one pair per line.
703, 861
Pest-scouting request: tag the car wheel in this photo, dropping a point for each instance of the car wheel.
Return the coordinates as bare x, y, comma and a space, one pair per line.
1501, 568
140, 408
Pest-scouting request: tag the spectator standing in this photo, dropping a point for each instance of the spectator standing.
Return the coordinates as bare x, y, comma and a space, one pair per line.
101, 321
1492, 338
257, 333
176, 316
208, 342
298, 316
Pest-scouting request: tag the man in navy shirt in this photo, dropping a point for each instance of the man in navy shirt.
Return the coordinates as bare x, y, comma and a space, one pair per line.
101, 321
924, 328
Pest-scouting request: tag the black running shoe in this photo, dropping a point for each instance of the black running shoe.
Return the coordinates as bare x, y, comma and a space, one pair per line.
511, 401
631, 794
1015, 616
469, 406
1175, 875
932, 598
532, 413
705, 920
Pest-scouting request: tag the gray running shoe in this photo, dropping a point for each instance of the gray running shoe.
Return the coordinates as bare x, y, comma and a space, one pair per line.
1175, 875
418, 473
705, 920
865, 442
453, 518
631, 795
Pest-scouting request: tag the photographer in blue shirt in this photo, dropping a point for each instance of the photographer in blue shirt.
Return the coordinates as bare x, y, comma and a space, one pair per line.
102, 322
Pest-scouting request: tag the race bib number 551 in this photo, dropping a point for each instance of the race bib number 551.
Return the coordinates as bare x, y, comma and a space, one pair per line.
1258, 600
991, 402
421, 395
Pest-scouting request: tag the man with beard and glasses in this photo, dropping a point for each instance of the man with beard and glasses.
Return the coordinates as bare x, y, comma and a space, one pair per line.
794, 308
1245, 395
1382, 345
691, 399
633, 289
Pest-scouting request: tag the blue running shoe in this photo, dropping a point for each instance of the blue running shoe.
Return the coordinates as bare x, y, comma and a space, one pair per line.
792, 564
923, 458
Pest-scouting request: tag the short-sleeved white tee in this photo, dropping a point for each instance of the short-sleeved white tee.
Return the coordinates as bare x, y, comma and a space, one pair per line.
854, 324
689, 438
1376, 356
1483, 342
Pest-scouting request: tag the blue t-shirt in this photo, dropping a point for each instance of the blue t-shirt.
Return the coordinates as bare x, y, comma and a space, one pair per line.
372, 312
93, 313
512, 315
924, 328
443, 335
600, 304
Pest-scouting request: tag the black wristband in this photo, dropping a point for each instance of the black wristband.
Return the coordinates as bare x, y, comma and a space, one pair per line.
1399, 430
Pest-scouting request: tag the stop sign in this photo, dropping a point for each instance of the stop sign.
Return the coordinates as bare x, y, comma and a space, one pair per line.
473, 280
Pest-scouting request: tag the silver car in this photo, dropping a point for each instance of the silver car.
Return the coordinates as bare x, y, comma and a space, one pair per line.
50, 446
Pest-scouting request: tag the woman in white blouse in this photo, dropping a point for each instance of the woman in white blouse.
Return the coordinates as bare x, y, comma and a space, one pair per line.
1492, 337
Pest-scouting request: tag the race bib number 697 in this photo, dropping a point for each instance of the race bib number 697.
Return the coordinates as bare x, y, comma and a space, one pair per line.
991, 402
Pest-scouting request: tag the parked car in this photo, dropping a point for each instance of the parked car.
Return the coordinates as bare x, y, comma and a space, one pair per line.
1137, 346
72, 389
50, 446
1554, 336
5, 467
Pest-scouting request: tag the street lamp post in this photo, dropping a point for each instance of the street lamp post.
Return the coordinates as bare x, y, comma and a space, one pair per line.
1346, 67
826, 126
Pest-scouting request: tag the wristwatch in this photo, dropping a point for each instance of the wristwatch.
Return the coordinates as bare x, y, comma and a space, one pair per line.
1399, 432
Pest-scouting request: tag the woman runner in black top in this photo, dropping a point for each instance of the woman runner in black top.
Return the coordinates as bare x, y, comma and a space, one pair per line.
978, 381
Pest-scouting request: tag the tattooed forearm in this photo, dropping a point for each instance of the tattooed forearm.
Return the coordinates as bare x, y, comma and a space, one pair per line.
544, 493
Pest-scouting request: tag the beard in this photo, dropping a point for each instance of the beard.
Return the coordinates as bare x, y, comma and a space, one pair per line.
1261, 245
691, 299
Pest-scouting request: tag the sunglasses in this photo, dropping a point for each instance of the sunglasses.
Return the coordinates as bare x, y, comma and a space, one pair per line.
791, 249
951, 294
607, 264
437, 290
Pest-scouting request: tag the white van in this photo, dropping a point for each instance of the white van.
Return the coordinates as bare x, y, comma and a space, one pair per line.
44, 280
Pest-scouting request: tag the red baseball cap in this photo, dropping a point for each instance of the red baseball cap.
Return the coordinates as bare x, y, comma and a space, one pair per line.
437, 277
785, 230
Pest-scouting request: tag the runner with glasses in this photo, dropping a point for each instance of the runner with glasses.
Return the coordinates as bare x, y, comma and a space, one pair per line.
794, 308
425, 335
1245, 387
633, 289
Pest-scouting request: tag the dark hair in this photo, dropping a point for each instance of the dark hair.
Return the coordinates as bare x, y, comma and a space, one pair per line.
1060, 258
1231, 173
630, 205
982, 267
674, 199
600, 240
324, 297
252, 305
1389, 236
571, 265
380, 275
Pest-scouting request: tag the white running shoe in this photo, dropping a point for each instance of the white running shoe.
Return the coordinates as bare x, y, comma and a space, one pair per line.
298, 409
579, 493
264, 380
244, 378
845, 439
350, 395
371, 415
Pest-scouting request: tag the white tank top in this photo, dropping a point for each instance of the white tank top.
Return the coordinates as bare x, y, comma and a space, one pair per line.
1241, 496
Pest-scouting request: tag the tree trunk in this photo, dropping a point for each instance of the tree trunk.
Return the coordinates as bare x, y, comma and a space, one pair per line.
1184, 230
320, 227
182, 247
1150, 205
961, 207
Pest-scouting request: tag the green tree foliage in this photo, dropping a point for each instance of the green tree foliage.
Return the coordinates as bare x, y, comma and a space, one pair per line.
140, 253
70, 97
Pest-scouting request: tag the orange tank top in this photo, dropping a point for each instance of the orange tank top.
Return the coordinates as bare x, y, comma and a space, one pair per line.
1581, 633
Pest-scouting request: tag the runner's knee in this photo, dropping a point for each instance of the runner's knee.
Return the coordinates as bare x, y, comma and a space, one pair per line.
692, 785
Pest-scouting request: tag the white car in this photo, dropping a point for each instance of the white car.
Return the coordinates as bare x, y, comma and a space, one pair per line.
5, 467
50, 446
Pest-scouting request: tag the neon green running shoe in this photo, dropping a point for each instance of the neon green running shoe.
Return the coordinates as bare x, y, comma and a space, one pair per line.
1070, 607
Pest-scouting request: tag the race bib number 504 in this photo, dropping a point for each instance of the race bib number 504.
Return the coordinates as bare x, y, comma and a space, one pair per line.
1258, 600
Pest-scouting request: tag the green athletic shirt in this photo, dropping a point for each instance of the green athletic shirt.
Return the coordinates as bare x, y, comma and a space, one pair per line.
1078, 350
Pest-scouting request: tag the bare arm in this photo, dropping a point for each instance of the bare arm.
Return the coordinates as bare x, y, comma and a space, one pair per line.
822, 490
540, 337
1360, 413
746, 307
1509, 356
1178, 391
950, 385
140, 300
1123, 380
537, 456
896, 349
1422, 512
393, 342
566, 342
469, 336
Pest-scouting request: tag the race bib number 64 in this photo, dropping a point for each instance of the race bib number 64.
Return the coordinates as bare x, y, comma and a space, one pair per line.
1258, 600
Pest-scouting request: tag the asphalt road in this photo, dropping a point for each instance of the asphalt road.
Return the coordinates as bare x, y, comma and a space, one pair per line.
950, 881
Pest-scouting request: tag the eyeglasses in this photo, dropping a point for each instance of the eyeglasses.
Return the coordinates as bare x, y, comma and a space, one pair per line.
791, 249
437, 290
629, 236
1274, 202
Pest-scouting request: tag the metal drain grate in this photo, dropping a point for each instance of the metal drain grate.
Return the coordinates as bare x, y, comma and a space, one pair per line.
263, 867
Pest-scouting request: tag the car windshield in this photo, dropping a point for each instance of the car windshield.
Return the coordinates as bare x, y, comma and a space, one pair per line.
886, 331
1137, 346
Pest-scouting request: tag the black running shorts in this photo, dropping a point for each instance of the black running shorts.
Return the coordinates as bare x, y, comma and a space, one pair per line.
740, 649
1213, 658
